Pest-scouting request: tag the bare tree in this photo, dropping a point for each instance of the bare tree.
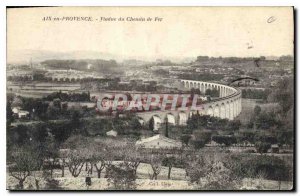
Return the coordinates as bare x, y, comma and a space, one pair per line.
51, 153
98, 159
156, 164
63, 154
75, 162
169, 162
132, 158
24, 161
99, 165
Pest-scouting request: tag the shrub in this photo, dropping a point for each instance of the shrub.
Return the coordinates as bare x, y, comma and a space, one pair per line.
262, 147
121, 177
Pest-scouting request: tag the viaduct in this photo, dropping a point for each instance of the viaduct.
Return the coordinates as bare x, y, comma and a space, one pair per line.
226, 106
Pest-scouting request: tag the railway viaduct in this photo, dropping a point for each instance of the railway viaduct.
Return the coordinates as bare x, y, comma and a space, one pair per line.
226, 106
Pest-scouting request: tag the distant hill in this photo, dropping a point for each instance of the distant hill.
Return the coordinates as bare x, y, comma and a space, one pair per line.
37, 56
99, 65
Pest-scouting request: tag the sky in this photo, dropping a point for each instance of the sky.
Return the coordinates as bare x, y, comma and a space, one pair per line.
183, 31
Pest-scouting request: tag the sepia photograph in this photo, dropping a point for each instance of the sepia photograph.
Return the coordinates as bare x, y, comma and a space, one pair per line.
150, 98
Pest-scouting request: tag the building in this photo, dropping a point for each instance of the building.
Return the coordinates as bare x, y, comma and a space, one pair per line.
20, 113
112, 133
158, 141
275, 148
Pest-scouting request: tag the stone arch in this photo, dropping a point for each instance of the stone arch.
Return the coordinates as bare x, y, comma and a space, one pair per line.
182, 84
156, 122
210, 111
182, 118
187, 85
240, 105
217, 111
202, 88
171, 119
222, 111
219, 90
227, 110
141, 121
235, 108
231, 109
192, 112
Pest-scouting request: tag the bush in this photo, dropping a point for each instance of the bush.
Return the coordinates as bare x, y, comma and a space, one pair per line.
198, 144
185, 139
224, 139
121, 177
262, 147
272, 167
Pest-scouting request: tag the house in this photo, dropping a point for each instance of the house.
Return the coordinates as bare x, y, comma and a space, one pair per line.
274, 148
112, 133
158, 141
23, 114
16, 110
20, 113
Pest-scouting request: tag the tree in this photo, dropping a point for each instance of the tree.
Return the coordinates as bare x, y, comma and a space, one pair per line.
169, 162
204, 135
227, 140
99, 157
257, 110
196, 169
262, 147
220, 177
9, 114
155, 162
122, 177
212, 169
75, 120
199, 143
24, 161
51, 152
75, 162
212, 92
151, 124
99, 165
185, 138
132, 158
57, 103
233, 125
